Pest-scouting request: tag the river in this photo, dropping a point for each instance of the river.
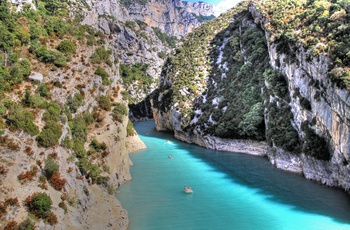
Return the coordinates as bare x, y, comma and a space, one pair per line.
231, 191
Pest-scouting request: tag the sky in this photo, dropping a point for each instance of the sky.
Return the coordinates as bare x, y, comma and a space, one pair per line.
221, 4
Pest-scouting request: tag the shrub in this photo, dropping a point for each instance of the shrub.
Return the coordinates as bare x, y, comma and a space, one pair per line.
63, 206
39, 204
100, 55
74, 102
119, 112
44, 90
27, 224
79, 148
98, 147
89, 169
12, 201
57, 182
28, 175
51, 218
52, 112
51, 56
51, 167
66, 46
104, 75
33, 101
79, 129
105, 103
50, 134
130, 130
314, 145
11, 225
101, 72
23, 119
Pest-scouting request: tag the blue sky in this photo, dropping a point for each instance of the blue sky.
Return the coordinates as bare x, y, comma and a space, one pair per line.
222, 4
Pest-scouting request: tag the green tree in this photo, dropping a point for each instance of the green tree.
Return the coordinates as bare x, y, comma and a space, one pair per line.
66, 46
40, 204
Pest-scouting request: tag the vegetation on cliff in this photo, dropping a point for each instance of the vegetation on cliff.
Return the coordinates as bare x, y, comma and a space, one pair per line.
58, 85
220, 82
322, 26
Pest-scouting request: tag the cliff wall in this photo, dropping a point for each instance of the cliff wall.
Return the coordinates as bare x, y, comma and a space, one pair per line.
254, 84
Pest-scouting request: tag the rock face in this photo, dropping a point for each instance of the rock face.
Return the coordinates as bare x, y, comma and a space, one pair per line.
329, 113
266, 93
173, 17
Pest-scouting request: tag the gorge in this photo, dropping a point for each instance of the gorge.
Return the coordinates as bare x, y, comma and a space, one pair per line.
269, 78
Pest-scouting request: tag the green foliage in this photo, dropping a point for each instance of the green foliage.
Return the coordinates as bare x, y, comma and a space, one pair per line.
89, 169
33, 101
74, 102
105, 103
98, 147
136, 72
50, 134
314, 145
27, 224
320, 26
44, 90
40, 204
52, 112
166, 39
100, 55
161, 55
280, 131
51, 167
119, 112
130, 130
23, 119
104, 75
202, 18
130, 24
51, 56
55, 25
67, 47
79, 129
55, 7
79, 149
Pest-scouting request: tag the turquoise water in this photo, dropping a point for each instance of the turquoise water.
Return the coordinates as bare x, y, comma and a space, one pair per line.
231, 191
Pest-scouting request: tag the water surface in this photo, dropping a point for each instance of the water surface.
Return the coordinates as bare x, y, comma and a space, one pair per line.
231, 191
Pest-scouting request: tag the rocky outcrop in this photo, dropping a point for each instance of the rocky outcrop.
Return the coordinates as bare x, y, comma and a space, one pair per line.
173, 17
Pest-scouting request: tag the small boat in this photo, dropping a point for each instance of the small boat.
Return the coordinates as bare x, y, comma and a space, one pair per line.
171, 157
188, 190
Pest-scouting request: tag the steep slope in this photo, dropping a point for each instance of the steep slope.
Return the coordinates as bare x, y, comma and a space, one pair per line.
144, 32
65, 136
266, 79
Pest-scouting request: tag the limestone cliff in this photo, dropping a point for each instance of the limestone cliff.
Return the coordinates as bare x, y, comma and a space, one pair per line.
251, 75
144, 32
173, 17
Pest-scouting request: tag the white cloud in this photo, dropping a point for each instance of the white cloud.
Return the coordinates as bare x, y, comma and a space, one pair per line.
227, 4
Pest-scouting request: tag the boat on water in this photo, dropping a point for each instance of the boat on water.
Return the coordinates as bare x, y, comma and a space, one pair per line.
188, 189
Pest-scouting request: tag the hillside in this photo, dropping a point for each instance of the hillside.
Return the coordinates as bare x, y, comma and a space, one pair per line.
68, 71
65, 134
268, 78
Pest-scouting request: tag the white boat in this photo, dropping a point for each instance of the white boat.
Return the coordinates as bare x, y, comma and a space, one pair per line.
188, 190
